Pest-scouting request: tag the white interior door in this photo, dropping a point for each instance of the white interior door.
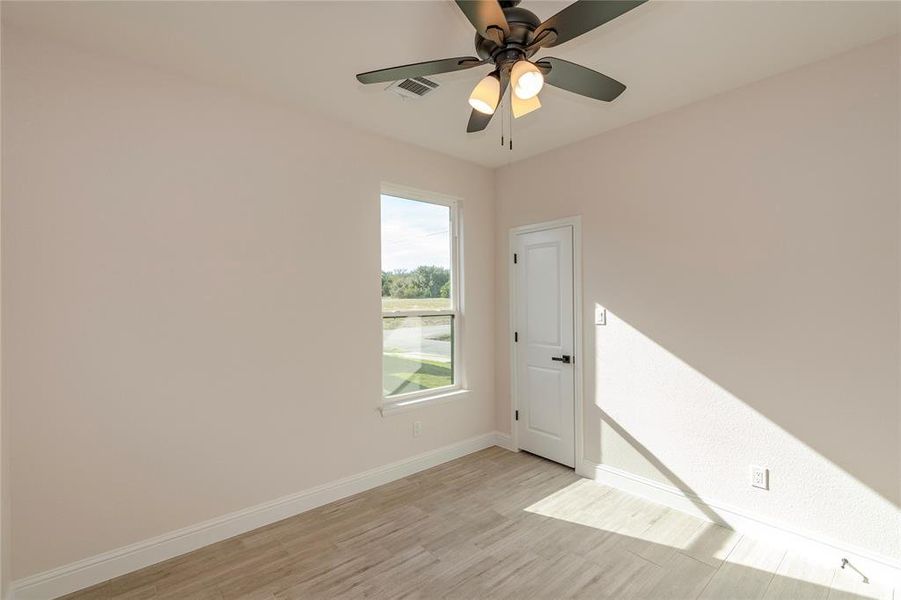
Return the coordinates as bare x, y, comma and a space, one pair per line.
545, 380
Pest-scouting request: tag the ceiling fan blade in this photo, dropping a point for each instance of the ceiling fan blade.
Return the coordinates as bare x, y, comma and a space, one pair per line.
487, 17
583, 16
430, 67
479, 120
579, 80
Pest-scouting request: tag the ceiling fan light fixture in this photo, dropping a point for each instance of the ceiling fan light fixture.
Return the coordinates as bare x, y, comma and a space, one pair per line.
507, 44
527, 80
486, 94
523, 107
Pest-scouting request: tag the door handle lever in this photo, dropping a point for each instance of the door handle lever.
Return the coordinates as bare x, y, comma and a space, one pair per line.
566, 358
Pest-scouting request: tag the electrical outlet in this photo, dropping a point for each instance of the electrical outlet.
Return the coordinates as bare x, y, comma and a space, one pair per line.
760, 477
417, 428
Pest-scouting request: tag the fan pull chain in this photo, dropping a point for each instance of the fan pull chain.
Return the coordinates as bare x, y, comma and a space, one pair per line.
500, 107
510, 117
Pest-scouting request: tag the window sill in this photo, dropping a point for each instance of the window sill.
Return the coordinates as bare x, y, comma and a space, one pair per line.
401, 406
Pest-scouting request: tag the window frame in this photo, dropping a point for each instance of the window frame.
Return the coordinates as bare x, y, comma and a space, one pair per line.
401, 402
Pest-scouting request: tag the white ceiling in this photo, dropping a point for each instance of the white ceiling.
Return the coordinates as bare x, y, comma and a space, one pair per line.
668, 53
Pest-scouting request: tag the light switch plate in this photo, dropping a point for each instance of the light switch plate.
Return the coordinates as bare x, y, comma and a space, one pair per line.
600, 315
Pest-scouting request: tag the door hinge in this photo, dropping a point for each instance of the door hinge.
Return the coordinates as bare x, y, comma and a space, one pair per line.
517, 415
515, 336
515, 258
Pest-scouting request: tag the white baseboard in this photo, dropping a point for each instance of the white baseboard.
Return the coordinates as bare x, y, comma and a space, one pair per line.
875, 566
504, 441
99, 568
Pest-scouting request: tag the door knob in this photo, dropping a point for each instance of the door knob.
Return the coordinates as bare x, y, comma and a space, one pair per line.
566, 358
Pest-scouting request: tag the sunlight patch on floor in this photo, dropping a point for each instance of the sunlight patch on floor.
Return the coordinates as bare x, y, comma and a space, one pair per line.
665, 537
653, 530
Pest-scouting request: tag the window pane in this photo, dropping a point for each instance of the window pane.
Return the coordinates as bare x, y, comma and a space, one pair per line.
417, 353
416, 255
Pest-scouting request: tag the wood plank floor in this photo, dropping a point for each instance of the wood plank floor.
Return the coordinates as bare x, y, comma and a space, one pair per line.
494, 524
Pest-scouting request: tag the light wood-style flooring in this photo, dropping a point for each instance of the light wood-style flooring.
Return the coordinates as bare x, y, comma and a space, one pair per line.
494, 524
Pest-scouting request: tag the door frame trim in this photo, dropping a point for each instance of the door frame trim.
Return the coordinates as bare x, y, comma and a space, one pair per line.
578, 384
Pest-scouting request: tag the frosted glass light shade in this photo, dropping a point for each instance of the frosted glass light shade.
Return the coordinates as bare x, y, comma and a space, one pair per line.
527, 80
523, 107
485, 95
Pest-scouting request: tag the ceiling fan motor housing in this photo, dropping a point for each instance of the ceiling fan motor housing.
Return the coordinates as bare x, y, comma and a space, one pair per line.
522, 25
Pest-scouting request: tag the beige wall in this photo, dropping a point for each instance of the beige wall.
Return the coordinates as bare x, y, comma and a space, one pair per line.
5, 563
5, 554
747, 250
191, 317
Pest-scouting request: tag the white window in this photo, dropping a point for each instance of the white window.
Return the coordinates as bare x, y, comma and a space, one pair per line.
420, 296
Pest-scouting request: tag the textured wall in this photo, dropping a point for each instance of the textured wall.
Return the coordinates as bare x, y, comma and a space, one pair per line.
747, 250
191, 316
5, 520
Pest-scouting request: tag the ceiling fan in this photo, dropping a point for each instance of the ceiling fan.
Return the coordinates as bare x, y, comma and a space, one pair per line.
507, 36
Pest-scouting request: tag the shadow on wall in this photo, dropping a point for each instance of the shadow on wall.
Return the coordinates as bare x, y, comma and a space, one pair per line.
725, 406
661, 468
705, 540
646, 396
